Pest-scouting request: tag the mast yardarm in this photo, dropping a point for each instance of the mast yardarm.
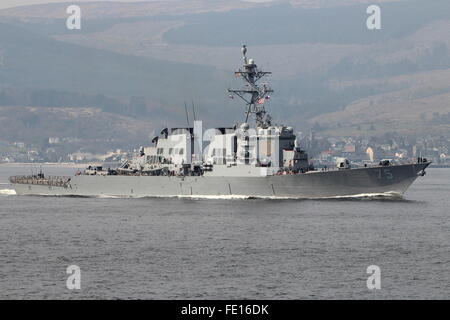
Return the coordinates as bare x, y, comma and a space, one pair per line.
258, 94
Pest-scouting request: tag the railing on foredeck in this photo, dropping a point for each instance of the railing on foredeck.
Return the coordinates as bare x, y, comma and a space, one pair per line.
55, 181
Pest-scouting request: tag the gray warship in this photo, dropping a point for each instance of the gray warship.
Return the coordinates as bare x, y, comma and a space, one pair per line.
264, 160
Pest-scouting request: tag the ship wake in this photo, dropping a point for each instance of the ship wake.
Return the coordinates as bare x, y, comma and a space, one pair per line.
358, 197
7, 192
362, 196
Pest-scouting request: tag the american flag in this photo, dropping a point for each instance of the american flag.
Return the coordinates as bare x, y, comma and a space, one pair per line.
261, 100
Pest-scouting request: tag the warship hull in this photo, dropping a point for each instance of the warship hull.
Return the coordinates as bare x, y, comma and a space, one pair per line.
315, 184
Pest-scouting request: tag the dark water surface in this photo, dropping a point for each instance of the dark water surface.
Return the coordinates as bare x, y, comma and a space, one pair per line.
155, 248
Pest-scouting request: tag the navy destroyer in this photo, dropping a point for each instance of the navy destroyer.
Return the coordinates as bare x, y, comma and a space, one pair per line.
264, 160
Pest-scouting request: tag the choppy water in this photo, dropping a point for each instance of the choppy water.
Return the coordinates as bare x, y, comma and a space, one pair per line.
156, 248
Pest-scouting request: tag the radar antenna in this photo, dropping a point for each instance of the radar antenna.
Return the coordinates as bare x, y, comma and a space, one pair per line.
255, 105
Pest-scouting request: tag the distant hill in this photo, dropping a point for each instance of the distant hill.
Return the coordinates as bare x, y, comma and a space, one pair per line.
127, 9
418, 104
99, 130
283, 24
32, 62
145, 60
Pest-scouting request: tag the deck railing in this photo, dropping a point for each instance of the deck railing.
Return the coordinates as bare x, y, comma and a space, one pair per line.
56, 181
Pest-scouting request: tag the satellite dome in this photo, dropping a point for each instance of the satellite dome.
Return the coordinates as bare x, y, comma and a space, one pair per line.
245, 126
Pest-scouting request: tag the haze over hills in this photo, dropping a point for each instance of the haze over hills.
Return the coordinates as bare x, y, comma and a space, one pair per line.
126, 9
102, 130
39, 70
144, 60
23, 6
418, 104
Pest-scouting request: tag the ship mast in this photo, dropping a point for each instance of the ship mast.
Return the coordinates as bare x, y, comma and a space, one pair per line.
258, 94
